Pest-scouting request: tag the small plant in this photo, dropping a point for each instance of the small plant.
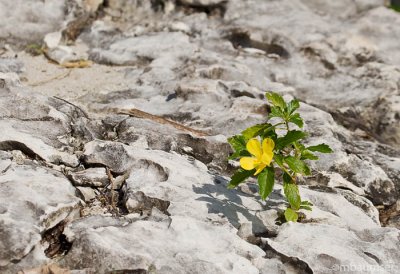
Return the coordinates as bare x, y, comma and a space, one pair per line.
265, 148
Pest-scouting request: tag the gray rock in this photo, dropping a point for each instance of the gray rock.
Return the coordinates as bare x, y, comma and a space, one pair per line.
43, 18
8, 65
45, 198
31, 124
326, 248
197, 247
93, 177
87, 193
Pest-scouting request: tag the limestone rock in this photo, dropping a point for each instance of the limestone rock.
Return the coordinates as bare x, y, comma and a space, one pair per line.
45, 198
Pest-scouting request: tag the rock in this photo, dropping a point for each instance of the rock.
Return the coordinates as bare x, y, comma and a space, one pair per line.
44, 17
87, 193
53, 39
46, 198
147, 49
5, 161
338, 249
110, 154
64, 54
93, 177
156, 241
38, 126
8, 65
205, 65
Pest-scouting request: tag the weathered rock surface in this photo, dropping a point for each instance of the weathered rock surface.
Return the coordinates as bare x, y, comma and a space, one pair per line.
33, 200
154, 196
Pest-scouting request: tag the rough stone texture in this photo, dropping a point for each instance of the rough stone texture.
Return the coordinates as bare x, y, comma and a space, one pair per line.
45, 198
33, 18
37, 128
348, 251
205, 65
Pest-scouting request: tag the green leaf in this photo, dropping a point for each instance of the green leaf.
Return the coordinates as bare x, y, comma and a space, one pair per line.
278, 159
266, 182
276, 100
237, 154
297, 165
276, 112
239, 177
292, 106
297, 120
291, 215
305, 207
254, 131
307, 155
291, 191
237, 142
323, 148
290, 137
306, 203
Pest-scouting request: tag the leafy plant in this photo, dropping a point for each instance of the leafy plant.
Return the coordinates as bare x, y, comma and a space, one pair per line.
395, 5
264, 149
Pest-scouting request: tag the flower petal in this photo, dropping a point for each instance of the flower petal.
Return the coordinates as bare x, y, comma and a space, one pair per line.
248, 163
260, 168
268, 145
266, 158
254, 147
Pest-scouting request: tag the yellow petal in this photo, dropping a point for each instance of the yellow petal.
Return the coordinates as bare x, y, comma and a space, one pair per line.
266, 158
254, 147
260, 168
268, 145
248, 163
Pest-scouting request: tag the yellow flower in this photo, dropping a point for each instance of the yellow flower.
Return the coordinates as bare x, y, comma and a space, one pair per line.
263, 155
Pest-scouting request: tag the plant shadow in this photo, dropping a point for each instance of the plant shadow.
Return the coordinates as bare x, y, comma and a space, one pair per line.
229, 202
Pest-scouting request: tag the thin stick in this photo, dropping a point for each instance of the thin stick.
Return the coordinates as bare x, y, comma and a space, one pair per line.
57, 77
145, 115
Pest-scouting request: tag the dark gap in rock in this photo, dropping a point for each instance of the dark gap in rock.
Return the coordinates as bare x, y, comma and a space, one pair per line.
58, 243
15, 145
301, 266
313, 54
171, 97
241, 39
122, 210
237, 93
376, 259
344, 188
218, 9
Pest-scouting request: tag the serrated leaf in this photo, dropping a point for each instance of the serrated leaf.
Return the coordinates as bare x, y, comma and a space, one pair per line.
323, 148
276, 112
266, 181
254, 131
269, 133
291, 191
290, 137
297, 165
276, 100
291, 215
237, 142
307, 155
297, 120
292, 106
239, 177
